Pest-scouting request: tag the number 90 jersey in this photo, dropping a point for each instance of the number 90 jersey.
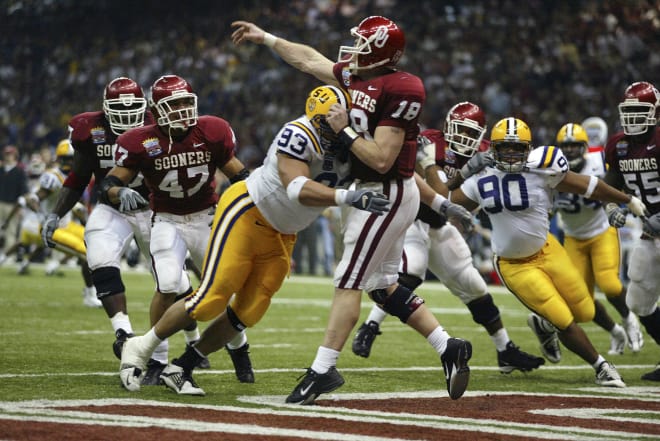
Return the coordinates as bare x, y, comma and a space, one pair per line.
518, 204
299, 140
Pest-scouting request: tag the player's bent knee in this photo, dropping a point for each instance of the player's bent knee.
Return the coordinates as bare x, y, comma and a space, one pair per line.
401, 303
107, 281
234, 320
484, 311
409, 281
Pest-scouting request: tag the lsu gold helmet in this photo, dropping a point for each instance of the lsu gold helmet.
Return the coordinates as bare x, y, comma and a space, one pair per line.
64, 155
317, 105
573, 141
510, 144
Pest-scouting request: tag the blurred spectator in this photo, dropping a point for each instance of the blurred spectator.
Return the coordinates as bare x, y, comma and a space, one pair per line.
13, 185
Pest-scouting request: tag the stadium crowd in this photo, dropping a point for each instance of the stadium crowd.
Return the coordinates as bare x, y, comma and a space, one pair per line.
547, 62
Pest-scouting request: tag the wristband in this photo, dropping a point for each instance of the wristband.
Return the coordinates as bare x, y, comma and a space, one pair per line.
340, 196
295, 187
348, 136
593, 182
437, 202
269, 39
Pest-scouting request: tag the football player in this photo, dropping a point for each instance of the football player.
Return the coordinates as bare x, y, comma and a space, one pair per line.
107, 231
590, 241
633, 157
178, 157
433, 243
379, 132
253, 235
516, 192
68, 237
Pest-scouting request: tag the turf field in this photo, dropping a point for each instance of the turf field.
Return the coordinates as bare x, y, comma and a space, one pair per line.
54, 348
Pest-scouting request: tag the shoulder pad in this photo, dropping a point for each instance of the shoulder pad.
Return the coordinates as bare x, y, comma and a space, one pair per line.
547, 157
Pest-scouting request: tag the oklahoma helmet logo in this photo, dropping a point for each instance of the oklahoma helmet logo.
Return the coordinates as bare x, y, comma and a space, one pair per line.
381, 36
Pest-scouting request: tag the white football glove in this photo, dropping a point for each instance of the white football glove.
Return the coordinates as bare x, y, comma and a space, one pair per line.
130, 199
637, 207
476, 163
425, 152
48, 228
616, 215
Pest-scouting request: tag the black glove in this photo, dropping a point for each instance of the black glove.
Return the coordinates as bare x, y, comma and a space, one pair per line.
450, 210
476, 163
48, 228
616, 215
130, 199
368, 200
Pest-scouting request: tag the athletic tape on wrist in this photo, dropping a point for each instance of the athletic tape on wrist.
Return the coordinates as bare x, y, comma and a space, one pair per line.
269, 39
437, 202
340, 196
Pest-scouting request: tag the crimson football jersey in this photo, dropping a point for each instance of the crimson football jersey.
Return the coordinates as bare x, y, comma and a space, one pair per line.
180, 176
638, 163
394, 99
92, 138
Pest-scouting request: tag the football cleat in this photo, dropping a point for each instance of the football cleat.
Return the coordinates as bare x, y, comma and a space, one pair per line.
180, 381
513, 358
455, 364
635, 336
618, 340
653, 375
364, 338
120, 338
242, 365
204, 363
314, 384
607, 375
152, 376
133, 364
547, 335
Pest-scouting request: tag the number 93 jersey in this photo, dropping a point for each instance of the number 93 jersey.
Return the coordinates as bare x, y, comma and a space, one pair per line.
518, 204
299, 140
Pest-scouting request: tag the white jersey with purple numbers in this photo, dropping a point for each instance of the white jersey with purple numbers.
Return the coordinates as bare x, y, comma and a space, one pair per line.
518, 204
584, 218
297, 139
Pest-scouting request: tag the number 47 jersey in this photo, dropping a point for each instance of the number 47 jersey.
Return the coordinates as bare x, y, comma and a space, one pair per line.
518, 204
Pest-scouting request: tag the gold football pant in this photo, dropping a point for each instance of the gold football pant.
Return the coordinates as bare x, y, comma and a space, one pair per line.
548, 284
71, 240
245, 256
598, 261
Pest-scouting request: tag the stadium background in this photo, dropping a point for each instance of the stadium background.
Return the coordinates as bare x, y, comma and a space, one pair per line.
547, 62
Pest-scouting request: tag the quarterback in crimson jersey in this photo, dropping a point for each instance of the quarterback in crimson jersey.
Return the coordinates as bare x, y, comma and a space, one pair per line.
633, 157
178, 157
380, 134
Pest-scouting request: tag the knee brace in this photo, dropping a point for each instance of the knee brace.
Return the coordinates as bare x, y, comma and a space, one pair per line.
484, 311
401, 303
409, 281
234, 320
107, 281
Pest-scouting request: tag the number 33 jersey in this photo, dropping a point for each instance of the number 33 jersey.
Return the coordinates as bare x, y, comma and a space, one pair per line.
518, 204
298, 140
